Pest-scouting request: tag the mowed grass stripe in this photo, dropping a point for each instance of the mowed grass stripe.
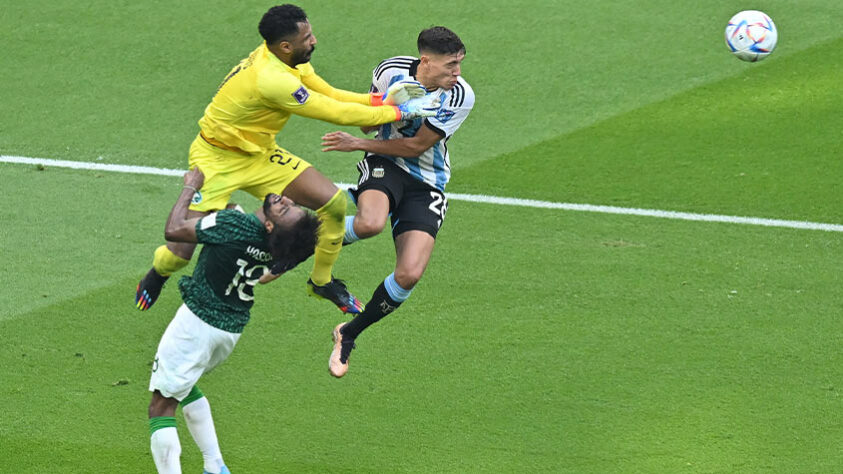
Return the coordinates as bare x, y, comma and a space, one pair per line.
479, 198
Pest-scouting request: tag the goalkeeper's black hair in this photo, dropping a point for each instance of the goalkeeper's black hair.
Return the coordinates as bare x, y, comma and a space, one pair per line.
281, 22
439, 40
291, 246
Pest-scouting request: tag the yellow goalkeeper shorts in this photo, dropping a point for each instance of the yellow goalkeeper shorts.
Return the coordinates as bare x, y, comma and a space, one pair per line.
227, 171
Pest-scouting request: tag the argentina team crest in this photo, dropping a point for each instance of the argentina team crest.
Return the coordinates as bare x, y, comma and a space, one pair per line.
443, 115
301, 95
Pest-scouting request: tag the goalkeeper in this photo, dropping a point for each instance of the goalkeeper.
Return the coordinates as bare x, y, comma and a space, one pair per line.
236, 146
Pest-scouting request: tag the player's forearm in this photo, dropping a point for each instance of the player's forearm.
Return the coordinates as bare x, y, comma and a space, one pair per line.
316, 83
355, 97
347, 113
403, 147
178, 227
348, 96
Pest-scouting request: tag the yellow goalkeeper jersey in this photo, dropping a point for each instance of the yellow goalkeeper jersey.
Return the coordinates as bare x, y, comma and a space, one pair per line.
256, 99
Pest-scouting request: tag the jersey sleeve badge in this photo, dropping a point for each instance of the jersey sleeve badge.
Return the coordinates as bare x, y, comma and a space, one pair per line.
301, 95
443, 115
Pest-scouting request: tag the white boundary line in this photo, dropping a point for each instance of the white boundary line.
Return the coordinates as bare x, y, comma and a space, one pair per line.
503, 201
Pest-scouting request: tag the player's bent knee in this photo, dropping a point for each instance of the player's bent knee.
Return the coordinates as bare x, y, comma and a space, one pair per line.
367, 227
408, 277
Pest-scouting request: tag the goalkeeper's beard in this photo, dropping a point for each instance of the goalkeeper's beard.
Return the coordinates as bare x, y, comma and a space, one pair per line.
301, 58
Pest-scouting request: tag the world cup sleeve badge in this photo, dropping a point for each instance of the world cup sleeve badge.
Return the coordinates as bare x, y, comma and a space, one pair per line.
301, 95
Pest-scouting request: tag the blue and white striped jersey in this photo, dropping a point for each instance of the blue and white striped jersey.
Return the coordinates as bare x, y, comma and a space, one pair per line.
434, 165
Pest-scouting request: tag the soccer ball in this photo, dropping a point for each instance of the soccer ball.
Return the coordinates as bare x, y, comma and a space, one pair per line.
751, 35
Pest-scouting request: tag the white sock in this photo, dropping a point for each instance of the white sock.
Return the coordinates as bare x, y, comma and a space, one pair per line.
197, 414
350, 236
166, 450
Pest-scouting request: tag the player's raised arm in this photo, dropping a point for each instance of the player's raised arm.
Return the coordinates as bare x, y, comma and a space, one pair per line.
396, 94
287, 93
179, 228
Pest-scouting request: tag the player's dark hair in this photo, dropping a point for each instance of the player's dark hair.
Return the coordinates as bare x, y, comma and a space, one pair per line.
292, 245
439, 40
281, 22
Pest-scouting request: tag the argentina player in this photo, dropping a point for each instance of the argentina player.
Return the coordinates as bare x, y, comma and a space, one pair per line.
403, 175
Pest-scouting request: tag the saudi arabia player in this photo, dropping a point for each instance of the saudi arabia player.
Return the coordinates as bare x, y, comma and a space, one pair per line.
403, 175
236, 145
240, 250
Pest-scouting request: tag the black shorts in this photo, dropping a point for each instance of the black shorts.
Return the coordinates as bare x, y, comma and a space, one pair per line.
413, 204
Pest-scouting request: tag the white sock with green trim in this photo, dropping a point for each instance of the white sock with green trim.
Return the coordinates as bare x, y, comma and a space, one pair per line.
164, 443
197, 415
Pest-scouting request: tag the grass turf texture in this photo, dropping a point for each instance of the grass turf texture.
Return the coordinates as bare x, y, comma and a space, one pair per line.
538, 340
665, 346
755, 144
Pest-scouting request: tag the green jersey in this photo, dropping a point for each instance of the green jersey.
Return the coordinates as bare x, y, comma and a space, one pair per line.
232, 260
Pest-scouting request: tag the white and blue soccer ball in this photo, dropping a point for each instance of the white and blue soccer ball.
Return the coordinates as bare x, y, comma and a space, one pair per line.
751, 35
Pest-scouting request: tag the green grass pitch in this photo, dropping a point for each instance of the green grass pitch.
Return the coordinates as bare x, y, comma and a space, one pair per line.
539, 340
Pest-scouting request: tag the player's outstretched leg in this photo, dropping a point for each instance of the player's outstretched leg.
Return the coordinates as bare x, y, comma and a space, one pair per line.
321, 283
164, 263
387, 297
313, 190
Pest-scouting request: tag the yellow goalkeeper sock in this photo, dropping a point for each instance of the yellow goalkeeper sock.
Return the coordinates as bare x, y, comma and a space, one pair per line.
166, 262
328, 246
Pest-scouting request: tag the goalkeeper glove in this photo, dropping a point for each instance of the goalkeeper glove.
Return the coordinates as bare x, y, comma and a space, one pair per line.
398, 93
426, 106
